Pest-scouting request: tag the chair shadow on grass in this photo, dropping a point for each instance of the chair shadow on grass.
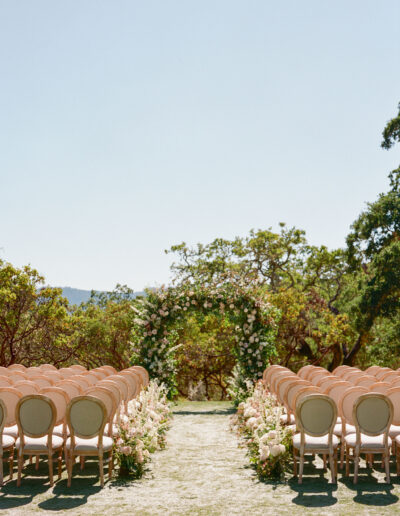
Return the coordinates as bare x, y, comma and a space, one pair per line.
36, 483
315, 490
369, 490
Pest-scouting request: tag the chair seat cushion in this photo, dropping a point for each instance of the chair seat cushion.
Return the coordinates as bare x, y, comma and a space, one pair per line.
40, 443
284, 419
11, 430
8, 441
367, 441
315, 443
115, 431
394, 431
90, 445
338, 429
59, 430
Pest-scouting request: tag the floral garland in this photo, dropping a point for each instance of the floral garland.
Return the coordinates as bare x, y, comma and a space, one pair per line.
156, 339
269, 444
143, 430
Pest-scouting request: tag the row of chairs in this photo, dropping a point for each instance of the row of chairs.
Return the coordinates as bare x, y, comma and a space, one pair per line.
291, 389
40, 418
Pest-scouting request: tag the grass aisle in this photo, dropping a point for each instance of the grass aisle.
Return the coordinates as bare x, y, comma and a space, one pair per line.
201, 472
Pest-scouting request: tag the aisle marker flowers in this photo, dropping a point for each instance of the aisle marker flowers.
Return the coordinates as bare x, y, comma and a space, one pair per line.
143, 430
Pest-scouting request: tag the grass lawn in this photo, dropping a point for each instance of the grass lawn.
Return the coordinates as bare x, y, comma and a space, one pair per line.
204, 472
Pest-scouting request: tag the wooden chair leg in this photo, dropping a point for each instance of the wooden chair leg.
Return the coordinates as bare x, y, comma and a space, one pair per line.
294, 464
50, 460
82, 461
301, 467
59, 464
341, 454
332, 466
70, 463
20, 460
36, 463
324, 460
347, 461
11, 463
356, 461
101, 468
110, 465
387, 468
1, 469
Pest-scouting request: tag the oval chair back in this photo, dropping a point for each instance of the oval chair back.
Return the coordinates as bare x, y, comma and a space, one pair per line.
143, 372
36, 416
10, 397
26, 387
86, 417
316, 415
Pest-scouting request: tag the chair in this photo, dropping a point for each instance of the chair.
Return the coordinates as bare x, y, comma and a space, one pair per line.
110, 402
36, 415
316, 416
372, 369
86, 418
325, 384
78, 367
372, 417
11, 397
338, 369
6, 443
5, 381
394, 431
117, 393
16, 367
47, 367
42, 381
82, 380
123, 386
311, 372
109, 368
60, 399
303, 370
134, 379
16, 375
26, 387
71, 388
381, 387
383, 372
67, 373
143, 372
365, 381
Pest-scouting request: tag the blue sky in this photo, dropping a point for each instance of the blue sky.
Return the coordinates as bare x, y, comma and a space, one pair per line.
127, 127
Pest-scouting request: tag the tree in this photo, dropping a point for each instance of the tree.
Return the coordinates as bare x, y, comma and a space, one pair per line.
33, 319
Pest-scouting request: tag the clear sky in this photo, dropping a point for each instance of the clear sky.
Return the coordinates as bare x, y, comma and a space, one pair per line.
127, 127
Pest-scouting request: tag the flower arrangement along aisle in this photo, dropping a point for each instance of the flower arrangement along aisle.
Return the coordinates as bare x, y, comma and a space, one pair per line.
143, 430
269, 444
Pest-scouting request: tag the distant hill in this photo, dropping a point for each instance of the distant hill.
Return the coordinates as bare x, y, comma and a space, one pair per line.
76, 296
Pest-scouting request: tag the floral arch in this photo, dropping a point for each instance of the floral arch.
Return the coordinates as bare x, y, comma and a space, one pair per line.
253, 318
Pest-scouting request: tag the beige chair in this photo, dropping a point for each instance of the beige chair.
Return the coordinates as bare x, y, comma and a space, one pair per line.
381, 387
11, 397
338, 369
16, 375
365, 381
134, 379
270, 378
16, 367
110, 402
326, 383
394, 431
316, 416
53, 376
71, 388
26, 387
109, 368
78, 367
6, 443
123, 385
82, 380
371, 370
36, 415
47, 367
145, 375
372, 417
87, 417
383, 371
67, 372
90, 379
311, 372
42, 381
303, 370
60, 399
5, 381
345, 411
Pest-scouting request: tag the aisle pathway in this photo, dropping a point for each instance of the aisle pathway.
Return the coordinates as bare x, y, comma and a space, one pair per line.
201, 472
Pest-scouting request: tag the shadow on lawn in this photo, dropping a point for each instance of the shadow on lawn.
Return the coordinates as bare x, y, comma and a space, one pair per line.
318, 492
35, 483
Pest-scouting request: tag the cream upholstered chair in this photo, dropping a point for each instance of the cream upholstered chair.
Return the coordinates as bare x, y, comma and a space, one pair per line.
365, 380
316, 416
134, 378
11, 397
110, 402
117, 393
66, 372
383, 371
372, 369
372, 416
303, 370
16, 375
26, 387
16, 367
60, 399
145, 375
5, 381
326, 383
381, 387
6, 443
36, 415
109, 368
345, 411
47, 367
87, 417
71, 388
122, 383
